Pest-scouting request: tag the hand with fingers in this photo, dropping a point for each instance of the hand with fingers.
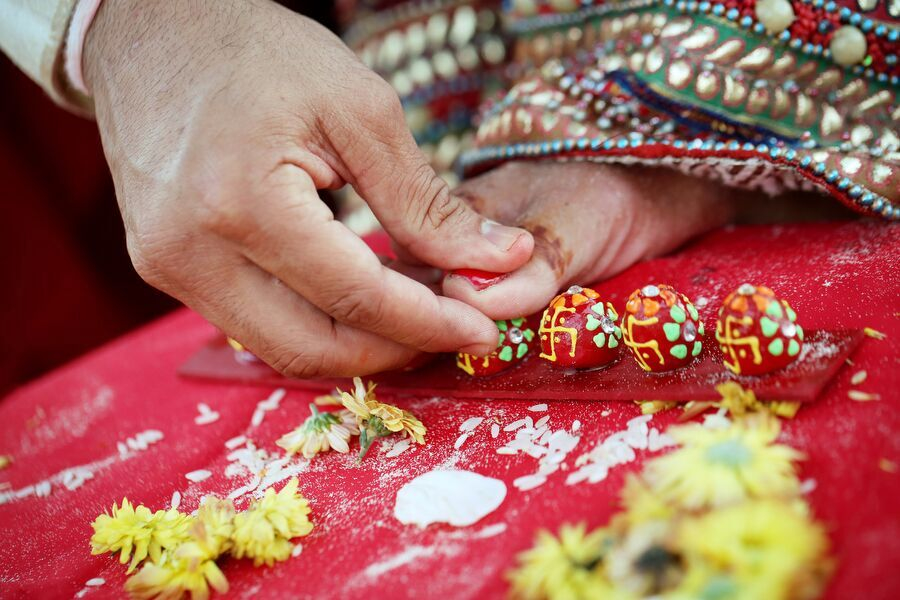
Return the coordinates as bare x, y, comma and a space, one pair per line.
589, 222
220, 121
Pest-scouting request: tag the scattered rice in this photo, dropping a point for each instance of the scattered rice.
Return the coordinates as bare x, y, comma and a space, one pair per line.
95, 582
470, 424
398, 448
858, 377
807, 486
198, 475
538, 408
269, 404
861, 396
206, 416
298, 548
461, 440
236, 442
176, 499
576, 425
605, 413
617, 449
495, 430
515, 425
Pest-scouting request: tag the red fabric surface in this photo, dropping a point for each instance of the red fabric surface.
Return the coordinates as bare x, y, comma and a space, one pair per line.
836, 276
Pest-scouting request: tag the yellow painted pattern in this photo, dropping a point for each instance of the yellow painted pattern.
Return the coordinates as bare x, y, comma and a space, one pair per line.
636, 347
549, 327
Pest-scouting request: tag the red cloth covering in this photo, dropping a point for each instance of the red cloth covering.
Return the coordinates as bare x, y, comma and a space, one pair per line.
836, 276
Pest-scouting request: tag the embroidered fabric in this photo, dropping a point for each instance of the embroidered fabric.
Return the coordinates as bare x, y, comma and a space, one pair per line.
770, 95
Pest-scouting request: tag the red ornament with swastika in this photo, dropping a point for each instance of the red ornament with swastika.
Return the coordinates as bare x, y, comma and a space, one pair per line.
579, 330
757, 331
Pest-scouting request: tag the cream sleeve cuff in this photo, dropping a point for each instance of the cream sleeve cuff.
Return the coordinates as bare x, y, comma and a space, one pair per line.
32, 34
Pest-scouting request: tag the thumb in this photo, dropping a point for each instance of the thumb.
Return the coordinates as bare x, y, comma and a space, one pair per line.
416, 206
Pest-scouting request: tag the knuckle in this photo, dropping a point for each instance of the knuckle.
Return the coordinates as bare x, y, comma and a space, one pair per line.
300, 364
432, 207
385, 103
363, 306
151, 254
219, 209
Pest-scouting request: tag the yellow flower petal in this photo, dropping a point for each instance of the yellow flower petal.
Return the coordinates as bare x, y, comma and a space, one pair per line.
263, 532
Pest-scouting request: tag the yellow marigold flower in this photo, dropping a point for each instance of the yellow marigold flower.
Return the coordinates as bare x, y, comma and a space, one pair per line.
377, 419
782, 408
717, 467
641, 504
360, 400
567, 567
736, 399
136, 529
757, 549
321, 432
641, 562
263, 532
651, 407
189, 569
216, 519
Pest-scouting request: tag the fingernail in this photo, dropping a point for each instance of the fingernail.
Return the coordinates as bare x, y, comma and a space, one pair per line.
480, 280
500, 235
478, 349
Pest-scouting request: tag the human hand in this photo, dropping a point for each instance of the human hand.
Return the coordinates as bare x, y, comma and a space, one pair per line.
589, 222
219, 121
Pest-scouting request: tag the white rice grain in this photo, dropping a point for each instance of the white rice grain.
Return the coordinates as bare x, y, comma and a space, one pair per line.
198, 475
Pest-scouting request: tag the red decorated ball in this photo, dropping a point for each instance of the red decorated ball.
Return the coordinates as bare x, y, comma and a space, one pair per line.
661, 328
579, 330
757, 331
515, 343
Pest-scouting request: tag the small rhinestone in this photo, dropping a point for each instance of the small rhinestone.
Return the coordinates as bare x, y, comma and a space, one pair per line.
650, 291
515, 335
746, 290
607, 325
788, 329
575, 289
689, 332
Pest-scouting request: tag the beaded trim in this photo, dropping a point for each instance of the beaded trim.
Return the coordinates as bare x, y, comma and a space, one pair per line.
481, 159
888, 32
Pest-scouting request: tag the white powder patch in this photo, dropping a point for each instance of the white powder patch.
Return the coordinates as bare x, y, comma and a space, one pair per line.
409, 555
459, 498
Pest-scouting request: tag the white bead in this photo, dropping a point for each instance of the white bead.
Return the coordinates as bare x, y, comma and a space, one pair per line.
564, 5
776, 15
525, 7
848, 46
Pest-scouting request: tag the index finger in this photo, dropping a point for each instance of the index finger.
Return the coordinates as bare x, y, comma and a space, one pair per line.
296, 238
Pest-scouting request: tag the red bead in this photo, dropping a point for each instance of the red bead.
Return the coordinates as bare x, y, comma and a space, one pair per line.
579, 330
480, 280
662, 328
757, 331
516, 341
